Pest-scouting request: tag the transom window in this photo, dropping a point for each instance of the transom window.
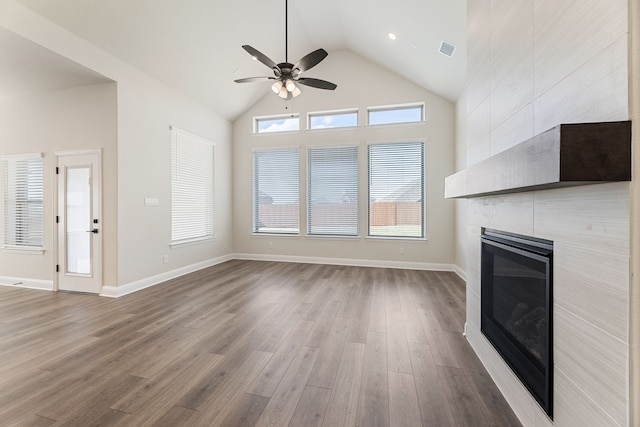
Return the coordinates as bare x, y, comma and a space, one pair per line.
333, 119
408, 113
274, 124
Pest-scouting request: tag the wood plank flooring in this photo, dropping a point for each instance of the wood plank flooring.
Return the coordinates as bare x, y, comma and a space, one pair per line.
248, 343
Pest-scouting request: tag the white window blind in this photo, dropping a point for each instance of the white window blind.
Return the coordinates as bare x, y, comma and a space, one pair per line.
396, 189
332, 196
276, 195
23, 195
192, 191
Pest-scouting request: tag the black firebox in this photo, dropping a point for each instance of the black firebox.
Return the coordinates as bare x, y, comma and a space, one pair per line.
516, 307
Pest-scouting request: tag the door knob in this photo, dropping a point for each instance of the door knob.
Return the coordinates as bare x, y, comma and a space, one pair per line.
94, 231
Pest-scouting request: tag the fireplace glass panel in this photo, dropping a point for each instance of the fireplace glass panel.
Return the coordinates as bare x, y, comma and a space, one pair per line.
516, 307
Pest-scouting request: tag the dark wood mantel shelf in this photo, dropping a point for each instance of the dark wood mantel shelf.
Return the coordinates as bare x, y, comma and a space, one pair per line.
566, 155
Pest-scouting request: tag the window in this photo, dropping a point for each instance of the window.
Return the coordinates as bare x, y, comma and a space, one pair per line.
333, 119
276, 184
396, 189
191, 188
288, 123
332, 205
23, 195
395, 114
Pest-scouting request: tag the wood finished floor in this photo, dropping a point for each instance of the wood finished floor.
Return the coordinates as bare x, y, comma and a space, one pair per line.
248, 343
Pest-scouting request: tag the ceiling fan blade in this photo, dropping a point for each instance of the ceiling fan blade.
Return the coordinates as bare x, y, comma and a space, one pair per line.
254, 79
311, 60
260, 56
317, 83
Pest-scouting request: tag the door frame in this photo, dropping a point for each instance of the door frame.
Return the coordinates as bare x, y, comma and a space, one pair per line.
97, 176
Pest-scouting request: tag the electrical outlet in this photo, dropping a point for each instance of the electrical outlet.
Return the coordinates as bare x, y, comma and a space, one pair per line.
270, 245
401, 251
226, 245
165, 259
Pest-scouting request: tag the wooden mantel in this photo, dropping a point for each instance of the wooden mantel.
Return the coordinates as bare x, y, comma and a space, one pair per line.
566, 155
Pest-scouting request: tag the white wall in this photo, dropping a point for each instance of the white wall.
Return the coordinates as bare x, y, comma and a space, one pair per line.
72, 119
532, 65
145, 111
360, 84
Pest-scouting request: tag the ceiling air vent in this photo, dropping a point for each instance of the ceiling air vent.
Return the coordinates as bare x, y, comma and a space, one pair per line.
447, 48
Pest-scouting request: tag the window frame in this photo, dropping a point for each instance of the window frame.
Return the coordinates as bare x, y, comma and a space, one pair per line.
423, 220
397, 107
255, 230
329, 113
178, 135
258, 119
355, 147
15, 245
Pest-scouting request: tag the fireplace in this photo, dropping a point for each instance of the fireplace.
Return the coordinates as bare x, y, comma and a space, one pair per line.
516, 307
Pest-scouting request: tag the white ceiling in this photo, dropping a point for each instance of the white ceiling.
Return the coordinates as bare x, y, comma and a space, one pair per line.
194, 46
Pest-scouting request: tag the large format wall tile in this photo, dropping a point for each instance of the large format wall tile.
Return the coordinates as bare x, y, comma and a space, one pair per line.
595, 92
513, 213
593, 360
513, 131
594, 285
574, 409
580, 31
593, 216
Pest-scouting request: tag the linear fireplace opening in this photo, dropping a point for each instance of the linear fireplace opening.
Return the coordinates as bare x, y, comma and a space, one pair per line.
516, 307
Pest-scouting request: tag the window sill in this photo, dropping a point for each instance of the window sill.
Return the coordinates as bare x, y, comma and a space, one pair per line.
275, 235
192, 242
331, 237
23, 251
404, 239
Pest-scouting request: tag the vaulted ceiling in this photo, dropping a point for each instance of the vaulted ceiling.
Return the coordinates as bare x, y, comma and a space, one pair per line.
194, 46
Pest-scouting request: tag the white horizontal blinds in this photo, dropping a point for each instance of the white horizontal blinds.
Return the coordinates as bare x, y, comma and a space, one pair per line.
276, 194
192, 160
396, 189
332, 204
23, 196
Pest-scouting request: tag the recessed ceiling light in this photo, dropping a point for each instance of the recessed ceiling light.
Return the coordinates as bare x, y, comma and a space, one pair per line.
392, 36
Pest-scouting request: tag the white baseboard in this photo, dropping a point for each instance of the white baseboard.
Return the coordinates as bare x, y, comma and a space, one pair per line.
19, 282
349, 262
116, 292
460, 272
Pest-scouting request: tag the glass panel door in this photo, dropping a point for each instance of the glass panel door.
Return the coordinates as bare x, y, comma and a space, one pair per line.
79, 220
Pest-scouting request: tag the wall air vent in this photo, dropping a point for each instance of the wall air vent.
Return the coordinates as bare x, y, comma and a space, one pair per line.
447, 48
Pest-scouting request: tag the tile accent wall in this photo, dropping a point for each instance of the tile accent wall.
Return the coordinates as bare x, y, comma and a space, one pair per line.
534, 64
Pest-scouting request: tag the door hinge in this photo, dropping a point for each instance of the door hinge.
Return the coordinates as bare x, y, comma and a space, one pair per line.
57, 219
57, 268
57, 171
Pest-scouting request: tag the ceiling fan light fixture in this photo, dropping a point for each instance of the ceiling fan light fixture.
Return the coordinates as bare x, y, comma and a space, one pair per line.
283, 93
296, 92
276, 86
291, 86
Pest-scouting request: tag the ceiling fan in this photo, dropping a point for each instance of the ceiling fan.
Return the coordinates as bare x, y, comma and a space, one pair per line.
287, 75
